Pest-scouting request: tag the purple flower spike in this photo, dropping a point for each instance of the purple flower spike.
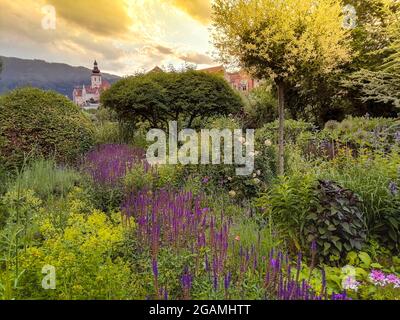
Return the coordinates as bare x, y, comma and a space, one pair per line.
227, 282
314, 246
155, 268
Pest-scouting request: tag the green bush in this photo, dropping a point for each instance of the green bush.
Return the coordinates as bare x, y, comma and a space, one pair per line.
287, 204
139, 177
357, 133
36, 122
304, 211
293, 129
87, 258
169, 176
335, 222
261, 106
370, 176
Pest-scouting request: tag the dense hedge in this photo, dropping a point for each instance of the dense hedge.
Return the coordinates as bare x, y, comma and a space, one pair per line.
35, 122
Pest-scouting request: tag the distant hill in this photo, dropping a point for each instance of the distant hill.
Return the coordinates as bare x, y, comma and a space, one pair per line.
41, 74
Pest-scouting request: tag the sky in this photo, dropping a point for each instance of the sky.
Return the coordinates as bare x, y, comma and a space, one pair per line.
124, 36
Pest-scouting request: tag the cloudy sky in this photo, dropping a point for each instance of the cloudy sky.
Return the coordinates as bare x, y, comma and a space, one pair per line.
123, 35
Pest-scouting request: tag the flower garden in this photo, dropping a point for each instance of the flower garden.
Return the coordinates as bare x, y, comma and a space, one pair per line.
115, 227
85, 216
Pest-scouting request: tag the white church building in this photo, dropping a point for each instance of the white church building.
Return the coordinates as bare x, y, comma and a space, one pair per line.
88, 97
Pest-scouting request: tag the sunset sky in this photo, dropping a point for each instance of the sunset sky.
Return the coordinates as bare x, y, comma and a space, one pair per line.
123, 35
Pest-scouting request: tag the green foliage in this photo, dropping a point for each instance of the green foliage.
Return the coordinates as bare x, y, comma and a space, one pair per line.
138, 178
375, 86
261, 106
293, 129
157, 98
85, 248
373, 76
89, 245
108, 132
335, 222
18, 211
287, 205
46, 179
304, 211
36, 122
4, 178
281, 40
169, 176
370, 175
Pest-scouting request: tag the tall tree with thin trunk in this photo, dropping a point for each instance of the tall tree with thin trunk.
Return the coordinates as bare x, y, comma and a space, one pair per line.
282, 39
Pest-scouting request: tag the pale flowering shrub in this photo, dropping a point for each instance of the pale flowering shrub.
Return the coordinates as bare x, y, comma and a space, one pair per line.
350, 283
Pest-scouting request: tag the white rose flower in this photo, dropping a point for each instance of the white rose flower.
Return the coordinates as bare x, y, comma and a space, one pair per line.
242, 140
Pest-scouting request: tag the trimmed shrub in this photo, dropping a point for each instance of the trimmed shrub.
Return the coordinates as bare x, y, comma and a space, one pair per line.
36, 122
156, 98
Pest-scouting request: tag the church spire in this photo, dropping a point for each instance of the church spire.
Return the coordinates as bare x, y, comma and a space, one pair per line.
96, 76
96, 69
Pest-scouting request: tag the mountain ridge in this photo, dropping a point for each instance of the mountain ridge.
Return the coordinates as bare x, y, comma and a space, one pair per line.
59, 77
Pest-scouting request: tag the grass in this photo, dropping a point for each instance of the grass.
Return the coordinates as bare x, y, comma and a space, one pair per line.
47, 179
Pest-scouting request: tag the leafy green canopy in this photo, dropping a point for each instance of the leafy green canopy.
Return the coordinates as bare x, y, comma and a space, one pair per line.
157, 98
282, 39
36, 122
380, 82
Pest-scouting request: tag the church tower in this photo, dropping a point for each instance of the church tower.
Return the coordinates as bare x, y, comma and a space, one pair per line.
96, 76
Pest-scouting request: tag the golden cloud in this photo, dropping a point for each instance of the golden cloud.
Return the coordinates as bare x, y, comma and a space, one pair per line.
102, 17
197, 9
196, 58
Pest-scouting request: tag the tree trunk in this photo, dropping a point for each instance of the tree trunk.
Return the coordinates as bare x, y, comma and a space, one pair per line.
281, 141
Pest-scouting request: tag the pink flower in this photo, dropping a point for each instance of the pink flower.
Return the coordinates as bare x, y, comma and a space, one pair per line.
237, 238
393, 279
378, 278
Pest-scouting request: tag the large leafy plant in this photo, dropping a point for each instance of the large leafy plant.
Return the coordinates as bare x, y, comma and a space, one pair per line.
336, 222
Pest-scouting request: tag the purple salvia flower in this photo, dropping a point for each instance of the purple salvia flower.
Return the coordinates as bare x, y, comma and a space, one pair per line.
227, 281
215, 283
155, 268
314, 246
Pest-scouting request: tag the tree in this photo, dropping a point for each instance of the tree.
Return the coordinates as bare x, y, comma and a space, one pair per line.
319, 98
281, 39
371, 35
260, 106
380, 82
157, 98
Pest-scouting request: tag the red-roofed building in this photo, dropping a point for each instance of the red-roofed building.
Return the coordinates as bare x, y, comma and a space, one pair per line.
240, 80
88, 97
